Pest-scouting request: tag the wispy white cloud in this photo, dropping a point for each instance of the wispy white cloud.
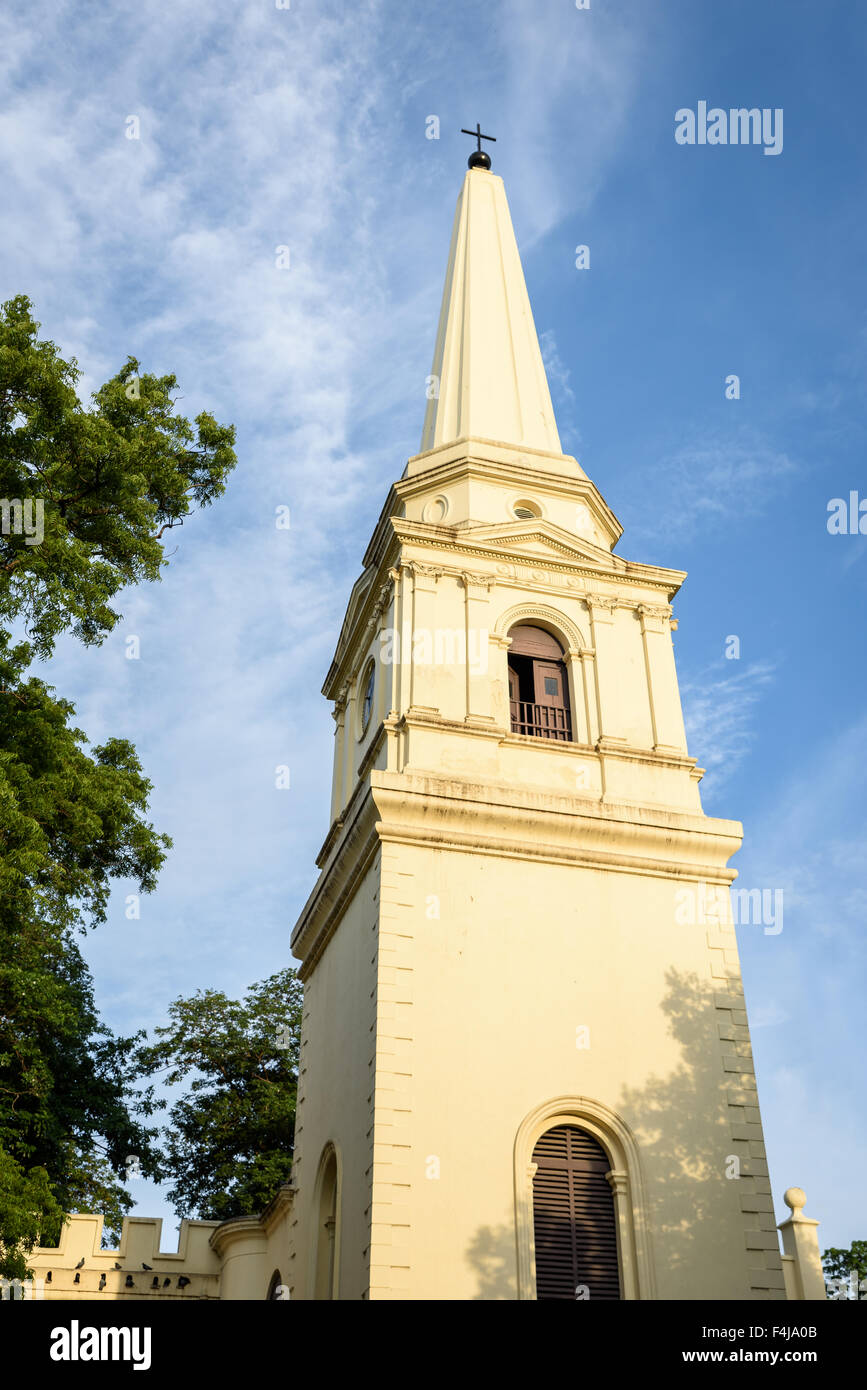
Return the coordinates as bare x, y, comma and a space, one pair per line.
561, 71
562, 395
716, 480
768, 1014
719, 710
558, 372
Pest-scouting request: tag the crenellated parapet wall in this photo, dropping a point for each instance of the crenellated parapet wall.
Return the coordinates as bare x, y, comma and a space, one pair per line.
79, 1268
245, 1258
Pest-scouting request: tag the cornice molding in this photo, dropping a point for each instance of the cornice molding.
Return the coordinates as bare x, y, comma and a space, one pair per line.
675, 842
347, 815
238, 1230
448, 537
613, 861
620, 752
634, 573
278, 1208
354, 842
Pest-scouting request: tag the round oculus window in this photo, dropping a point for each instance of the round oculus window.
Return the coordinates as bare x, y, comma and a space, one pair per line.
526, 511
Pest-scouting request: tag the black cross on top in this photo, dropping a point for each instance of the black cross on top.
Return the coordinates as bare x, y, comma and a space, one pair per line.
479, 159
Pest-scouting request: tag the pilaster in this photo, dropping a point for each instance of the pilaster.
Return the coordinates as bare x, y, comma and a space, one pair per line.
666, 715
477, 589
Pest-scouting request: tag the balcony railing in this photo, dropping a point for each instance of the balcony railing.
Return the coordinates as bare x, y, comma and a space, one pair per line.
542, 721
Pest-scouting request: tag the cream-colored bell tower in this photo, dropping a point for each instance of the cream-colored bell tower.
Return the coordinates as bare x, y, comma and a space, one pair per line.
525, 1057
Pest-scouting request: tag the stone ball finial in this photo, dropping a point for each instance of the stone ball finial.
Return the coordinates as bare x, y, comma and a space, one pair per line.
795, 1199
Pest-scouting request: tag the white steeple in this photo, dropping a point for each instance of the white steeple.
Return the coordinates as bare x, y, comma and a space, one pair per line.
487, 363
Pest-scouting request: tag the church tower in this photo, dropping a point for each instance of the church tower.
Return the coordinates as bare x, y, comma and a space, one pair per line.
525, 1065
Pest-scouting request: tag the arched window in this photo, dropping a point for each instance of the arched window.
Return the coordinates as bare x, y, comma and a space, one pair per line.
326, 1228
575, 1227
277, 1290
367, 686
538, 684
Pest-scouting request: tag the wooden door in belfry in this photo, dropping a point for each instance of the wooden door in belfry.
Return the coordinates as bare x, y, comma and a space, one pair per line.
549, 679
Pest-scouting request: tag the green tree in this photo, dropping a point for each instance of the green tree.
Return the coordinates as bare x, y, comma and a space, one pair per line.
27, 1203
70, 823
841, 1265
111, 481
105, 483
229, 1143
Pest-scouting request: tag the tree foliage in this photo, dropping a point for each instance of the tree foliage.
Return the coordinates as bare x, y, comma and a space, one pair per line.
846, 1271
27, 1205
229, 1141
110, 481
70, 823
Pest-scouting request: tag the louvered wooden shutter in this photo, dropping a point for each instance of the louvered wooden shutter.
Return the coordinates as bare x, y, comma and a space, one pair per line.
573, 1215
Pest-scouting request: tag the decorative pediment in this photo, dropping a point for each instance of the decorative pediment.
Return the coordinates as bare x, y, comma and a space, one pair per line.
540, 540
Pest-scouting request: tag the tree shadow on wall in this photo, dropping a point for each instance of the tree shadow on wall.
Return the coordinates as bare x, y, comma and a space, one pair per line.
493, 1256
681, 1126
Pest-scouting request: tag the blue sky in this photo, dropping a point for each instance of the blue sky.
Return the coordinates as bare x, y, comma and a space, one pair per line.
305, 127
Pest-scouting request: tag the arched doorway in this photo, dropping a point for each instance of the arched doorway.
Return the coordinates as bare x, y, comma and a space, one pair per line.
326, 1227
538, 684
574, 1221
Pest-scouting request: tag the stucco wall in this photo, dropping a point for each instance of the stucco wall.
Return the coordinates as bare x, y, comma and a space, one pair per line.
521, 955
335, 1091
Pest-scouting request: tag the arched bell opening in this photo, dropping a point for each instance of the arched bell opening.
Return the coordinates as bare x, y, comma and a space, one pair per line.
538, 684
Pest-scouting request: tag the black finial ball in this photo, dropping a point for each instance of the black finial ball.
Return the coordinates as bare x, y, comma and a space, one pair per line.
479, 159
